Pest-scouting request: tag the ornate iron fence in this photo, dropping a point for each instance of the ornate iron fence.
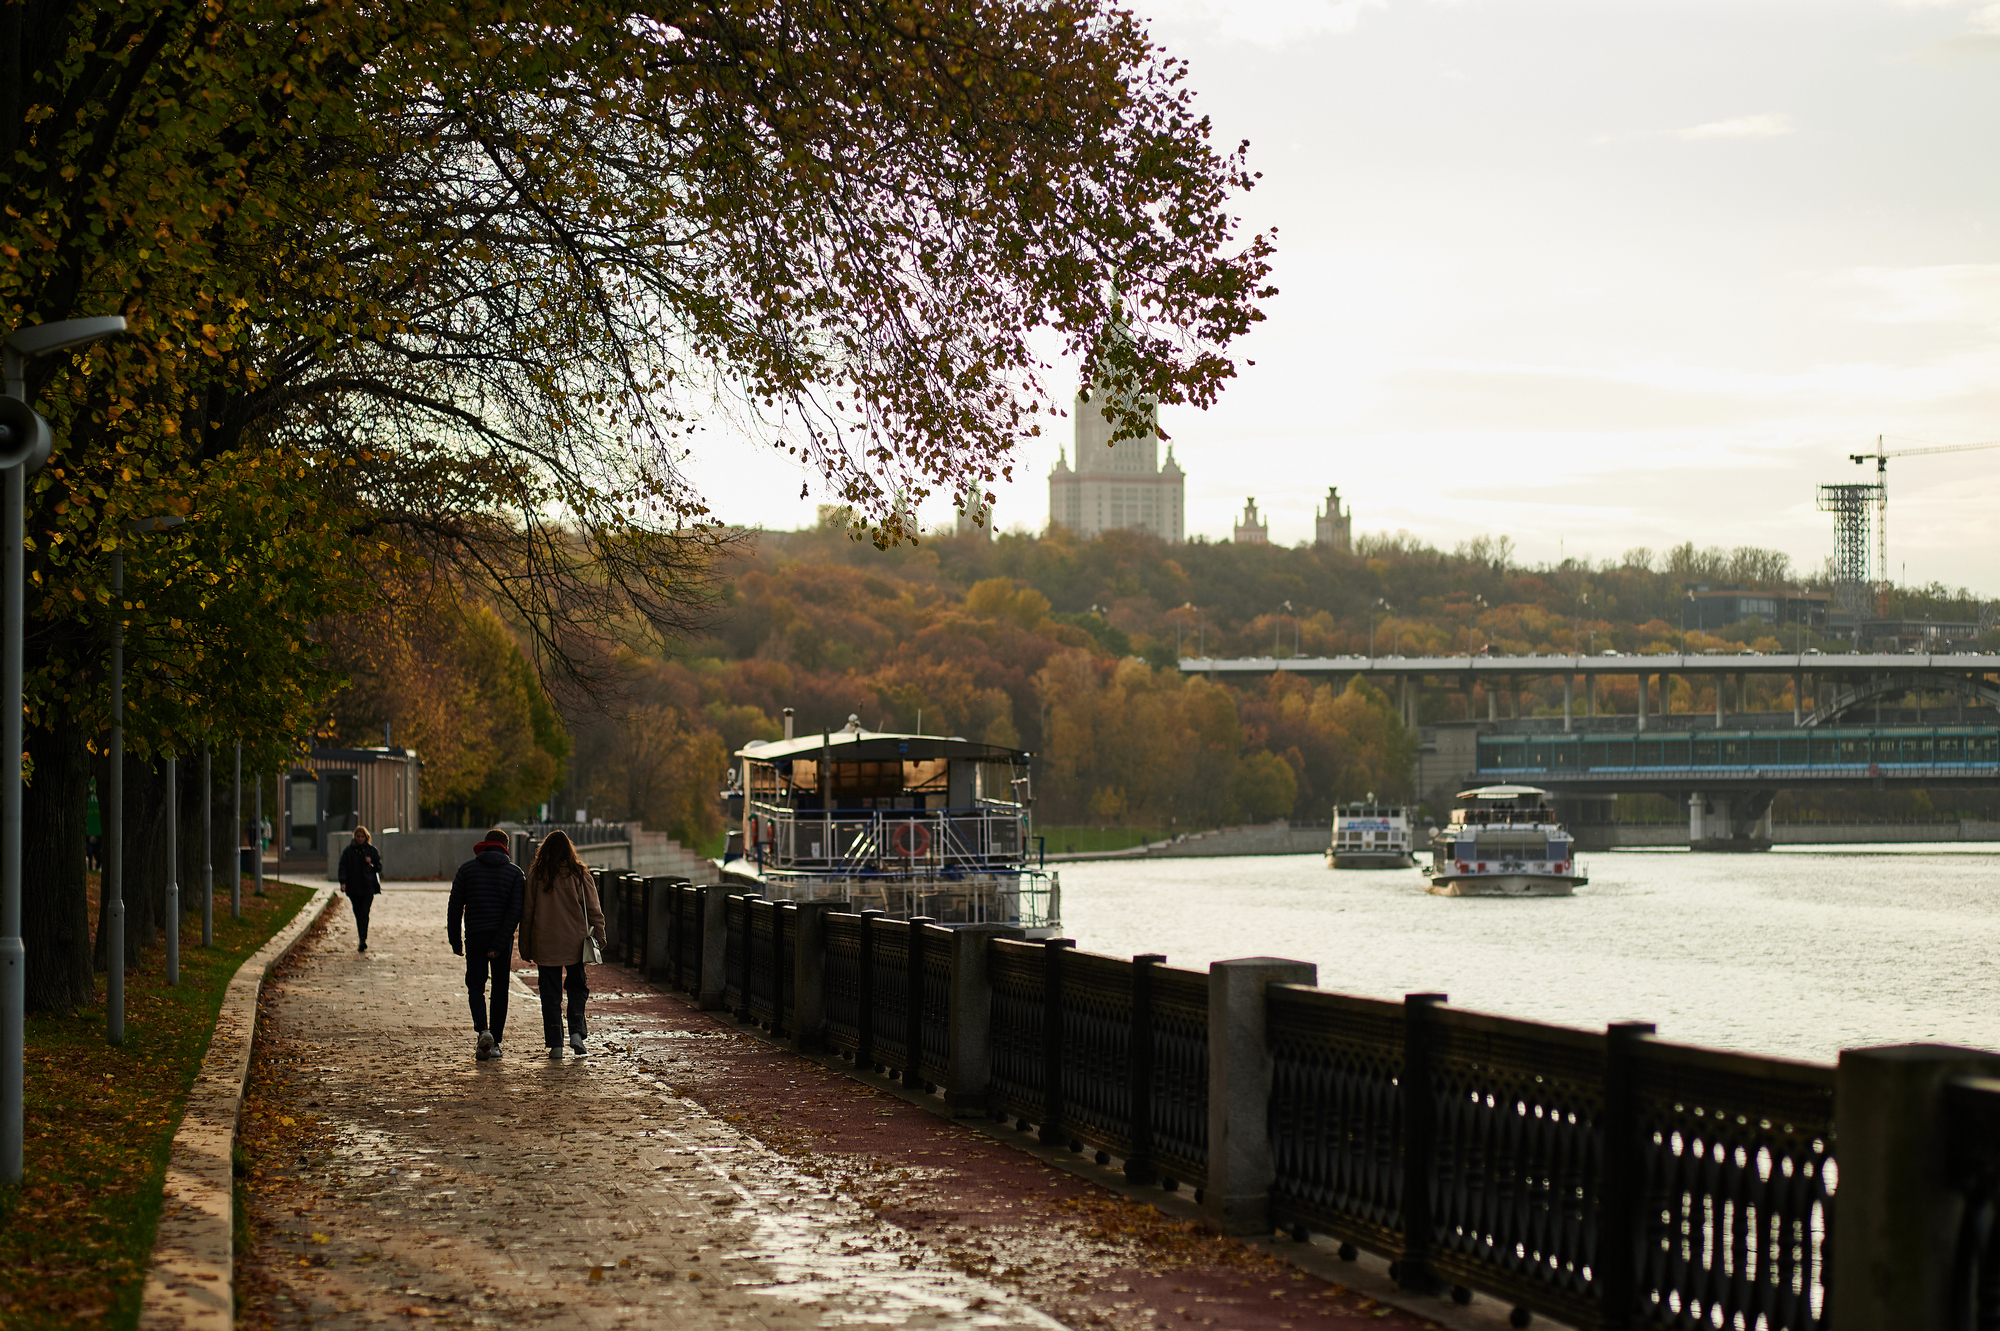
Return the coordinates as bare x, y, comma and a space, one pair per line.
1605, 1179
1337, 1115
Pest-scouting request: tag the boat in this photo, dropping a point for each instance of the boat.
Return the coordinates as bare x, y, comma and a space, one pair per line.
916, 826
1503, 841
1370, 836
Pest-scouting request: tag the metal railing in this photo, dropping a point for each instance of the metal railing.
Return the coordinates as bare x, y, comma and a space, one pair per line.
1604, 1178
880, 840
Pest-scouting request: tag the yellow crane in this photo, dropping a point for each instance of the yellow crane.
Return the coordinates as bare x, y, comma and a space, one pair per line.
1881, 458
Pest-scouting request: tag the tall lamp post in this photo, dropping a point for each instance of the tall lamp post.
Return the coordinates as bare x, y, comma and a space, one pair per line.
25, 443
114, 816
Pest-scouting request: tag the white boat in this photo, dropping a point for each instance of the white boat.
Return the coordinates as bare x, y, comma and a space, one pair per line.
912, 825
1503, 841
1370, 836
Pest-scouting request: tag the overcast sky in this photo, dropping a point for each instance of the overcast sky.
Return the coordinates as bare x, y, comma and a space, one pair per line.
1594, 274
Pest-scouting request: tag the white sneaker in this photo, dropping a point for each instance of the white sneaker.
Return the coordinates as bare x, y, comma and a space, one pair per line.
485, 1050
498, 1052
576, 1043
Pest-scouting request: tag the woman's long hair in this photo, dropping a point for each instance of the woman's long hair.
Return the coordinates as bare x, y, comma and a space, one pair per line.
555, 859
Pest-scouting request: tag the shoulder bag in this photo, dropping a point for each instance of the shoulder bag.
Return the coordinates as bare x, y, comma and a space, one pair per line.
593, 951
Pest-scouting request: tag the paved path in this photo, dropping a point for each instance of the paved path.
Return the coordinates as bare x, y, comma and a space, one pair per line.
592, 1192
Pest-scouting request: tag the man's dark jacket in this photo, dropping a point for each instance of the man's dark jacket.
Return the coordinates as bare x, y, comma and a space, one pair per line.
486, 892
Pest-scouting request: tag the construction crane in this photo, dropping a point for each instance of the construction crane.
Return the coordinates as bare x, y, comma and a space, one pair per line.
1881, 458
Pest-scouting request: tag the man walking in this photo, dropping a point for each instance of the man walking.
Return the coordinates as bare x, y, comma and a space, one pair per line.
486, 894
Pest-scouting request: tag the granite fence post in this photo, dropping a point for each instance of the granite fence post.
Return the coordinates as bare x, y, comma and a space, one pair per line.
808, 1033
713, 981
1895, 1230
1240, 1166
971, 1017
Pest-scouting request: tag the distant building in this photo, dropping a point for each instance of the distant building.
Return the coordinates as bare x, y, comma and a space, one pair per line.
1719, 607
1250, 530
1122, 487
976, 520
1334, 527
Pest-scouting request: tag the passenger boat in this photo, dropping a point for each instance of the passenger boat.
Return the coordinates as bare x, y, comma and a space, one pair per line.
913, 825
1503, 841
1370, 836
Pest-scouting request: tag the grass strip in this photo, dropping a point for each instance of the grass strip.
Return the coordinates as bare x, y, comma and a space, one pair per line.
76, 1236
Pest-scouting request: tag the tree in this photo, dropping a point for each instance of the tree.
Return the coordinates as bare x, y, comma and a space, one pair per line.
460, 284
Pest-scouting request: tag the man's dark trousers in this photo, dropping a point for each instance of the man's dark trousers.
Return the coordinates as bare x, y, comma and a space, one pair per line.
478, 969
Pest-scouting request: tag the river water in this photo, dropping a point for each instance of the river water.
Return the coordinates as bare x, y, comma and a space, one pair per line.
1798, 952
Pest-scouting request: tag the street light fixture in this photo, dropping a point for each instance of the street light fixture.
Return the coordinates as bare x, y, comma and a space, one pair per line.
25, 443
114, 816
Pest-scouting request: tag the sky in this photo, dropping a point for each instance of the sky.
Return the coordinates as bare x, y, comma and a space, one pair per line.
1592, 274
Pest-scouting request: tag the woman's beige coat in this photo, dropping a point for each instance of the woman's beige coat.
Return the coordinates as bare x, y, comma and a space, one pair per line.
553, 922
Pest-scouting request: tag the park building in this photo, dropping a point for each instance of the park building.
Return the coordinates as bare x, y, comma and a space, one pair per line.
1251, 529
1126, 487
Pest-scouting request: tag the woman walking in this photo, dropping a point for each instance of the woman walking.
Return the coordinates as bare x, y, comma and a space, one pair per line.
361, 879
560, 911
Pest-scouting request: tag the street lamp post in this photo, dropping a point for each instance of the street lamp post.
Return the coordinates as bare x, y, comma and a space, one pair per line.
114, 827
236, 847
25, 443
207, 848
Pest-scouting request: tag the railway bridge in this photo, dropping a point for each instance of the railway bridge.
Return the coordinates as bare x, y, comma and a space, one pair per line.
1849, 727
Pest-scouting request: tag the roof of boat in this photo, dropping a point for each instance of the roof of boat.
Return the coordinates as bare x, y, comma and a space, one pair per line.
879, 745
1501, 792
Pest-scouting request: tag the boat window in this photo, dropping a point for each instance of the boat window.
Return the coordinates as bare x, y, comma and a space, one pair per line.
996, 783
924, 774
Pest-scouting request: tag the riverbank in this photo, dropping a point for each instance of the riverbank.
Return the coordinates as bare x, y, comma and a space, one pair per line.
76, 1237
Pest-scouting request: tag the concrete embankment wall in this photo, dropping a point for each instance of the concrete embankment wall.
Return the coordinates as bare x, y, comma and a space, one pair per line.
1636, 836
1279, 838
436, 852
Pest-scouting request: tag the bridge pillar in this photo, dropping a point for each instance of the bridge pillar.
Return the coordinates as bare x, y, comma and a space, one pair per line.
1514, 698
1734, 821
1721, 682
1642, 700
1492, 702
1590, 696
1569, 686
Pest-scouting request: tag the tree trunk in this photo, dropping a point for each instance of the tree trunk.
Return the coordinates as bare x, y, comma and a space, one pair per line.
145, 885
145, 855
55, 909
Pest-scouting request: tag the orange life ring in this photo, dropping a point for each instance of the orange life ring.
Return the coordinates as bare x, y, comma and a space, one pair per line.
912, 840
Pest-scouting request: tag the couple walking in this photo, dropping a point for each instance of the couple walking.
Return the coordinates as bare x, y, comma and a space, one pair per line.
555, 907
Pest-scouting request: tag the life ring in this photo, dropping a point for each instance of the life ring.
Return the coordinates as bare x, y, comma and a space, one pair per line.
912, 840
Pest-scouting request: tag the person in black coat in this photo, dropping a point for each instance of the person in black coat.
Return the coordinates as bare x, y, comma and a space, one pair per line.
361, 879
486, 895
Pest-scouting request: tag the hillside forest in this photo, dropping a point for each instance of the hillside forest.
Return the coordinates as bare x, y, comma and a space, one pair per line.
1064, 646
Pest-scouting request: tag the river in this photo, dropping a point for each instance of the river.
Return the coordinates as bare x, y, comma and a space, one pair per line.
1798, 952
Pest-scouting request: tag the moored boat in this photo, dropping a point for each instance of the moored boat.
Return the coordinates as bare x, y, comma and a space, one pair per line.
912, 825
1503, 841
1370, 836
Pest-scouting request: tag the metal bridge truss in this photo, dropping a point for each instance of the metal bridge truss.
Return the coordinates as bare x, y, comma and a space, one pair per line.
1974, 689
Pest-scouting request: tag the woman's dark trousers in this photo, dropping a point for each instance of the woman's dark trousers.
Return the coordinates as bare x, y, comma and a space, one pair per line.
554, 980
361, 901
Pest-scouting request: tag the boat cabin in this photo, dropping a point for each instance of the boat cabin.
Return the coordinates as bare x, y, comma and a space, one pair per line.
1503, 805
858, 801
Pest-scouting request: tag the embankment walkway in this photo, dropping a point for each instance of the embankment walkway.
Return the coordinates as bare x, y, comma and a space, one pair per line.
682, 1175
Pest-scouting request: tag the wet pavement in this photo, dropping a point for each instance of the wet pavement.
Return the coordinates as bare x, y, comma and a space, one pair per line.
683, 1174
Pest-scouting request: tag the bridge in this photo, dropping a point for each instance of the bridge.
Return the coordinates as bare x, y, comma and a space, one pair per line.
1728, 765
